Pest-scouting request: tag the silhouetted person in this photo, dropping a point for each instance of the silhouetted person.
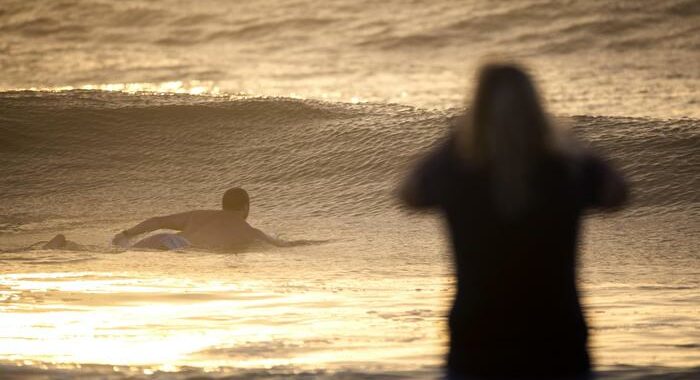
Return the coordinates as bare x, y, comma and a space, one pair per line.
209, 229
513, 190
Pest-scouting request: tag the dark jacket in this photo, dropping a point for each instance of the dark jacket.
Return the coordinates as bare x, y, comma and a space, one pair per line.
516, 310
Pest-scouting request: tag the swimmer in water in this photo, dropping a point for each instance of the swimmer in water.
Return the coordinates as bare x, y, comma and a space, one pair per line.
205, 229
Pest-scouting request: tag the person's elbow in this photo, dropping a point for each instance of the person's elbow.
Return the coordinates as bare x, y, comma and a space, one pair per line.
410, 196
406, 196
615, 194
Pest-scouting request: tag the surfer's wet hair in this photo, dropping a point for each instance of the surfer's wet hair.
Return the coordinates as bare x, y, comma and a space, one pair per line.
235, 199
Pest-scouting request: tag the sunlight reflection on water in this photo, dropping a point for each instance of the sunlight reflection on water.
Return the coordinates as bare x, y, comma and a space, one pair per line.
111, 319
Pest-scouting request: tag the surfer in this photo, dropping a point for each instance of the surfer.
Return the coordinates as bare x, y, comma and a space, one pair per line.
207, 229
513, 191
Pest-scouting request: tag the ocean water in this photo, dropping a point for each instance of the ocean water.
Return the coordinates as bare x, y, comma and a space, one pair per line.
112, 112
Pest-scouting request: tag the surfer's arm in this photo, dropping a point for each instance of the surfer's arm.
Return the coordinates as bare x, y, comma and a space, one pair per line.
261, 236
170, 222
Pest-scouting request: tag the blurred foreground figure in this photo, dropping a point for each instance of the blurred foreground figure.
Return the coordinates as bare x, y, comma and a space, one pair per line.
513, 190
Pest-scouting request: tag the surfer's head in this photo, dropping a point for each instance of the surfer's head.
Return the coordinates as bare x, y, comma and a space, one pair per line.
236, 199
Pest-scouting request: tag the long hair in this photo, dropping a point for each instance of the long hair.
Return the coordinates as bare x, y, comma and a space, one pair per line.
507, 132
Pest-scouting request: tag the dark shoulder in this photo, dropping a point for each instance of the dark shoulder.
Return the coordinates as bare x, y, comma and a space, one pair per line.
447, 157
425, 185
588, 166
596, 179
572, 164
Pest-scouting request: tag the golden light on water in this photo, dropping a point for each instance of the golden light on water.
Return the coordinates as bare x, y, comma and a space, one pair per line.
193, 87
160, 324
116, 111
209, 88
164, 324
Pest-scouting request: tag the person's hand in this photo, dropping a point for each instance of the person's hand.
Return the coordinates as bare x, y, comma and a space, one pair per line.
120, 240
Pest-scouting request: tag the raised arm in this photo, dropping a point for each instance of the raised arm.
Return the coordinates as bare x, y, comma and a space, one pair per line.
614, 192
170, 222
609, 188
422, 187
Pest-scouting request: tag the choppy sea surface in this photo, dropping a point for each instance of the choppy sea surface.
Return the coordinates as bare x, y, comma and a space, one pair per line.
112, 112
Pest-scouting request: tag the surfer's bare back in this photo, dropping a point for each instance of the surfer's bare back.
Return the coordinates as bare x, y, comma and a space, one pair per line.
206, 229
